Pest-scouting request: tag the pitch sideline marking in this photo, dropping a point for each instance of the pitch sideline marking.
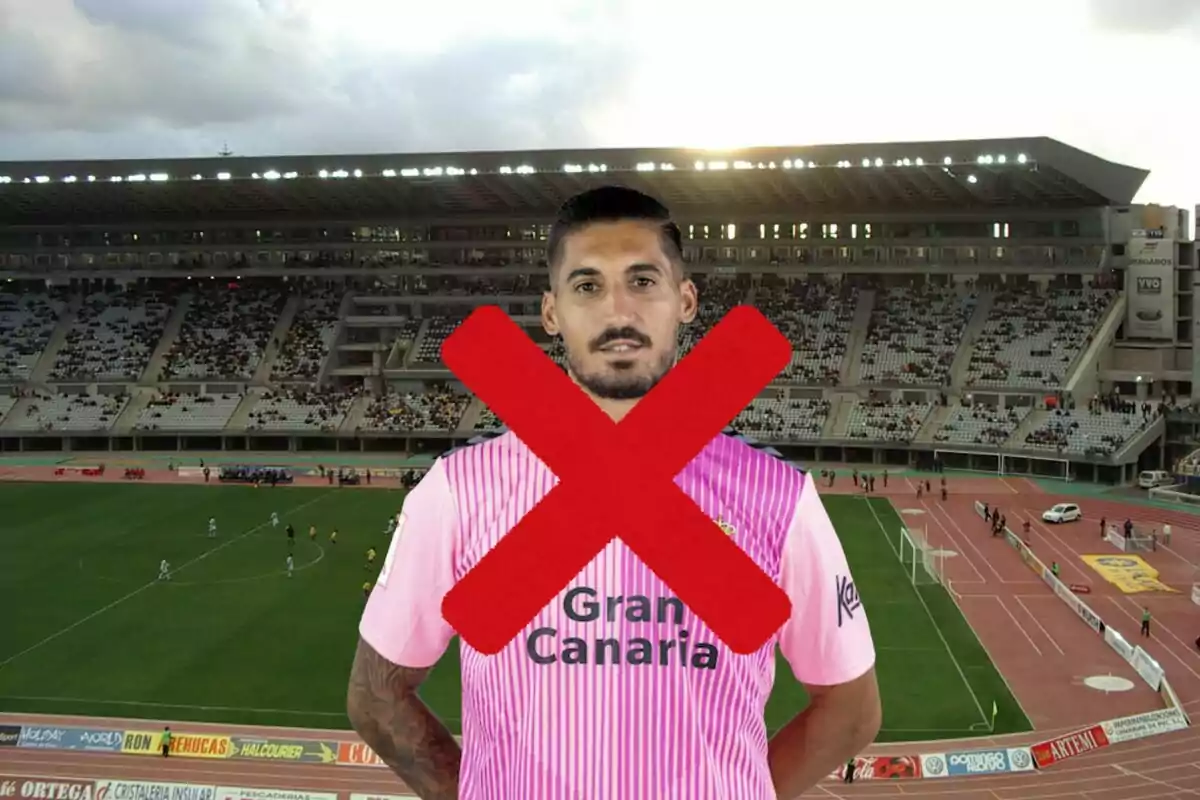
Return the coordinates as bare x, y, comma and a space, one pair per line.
155, 582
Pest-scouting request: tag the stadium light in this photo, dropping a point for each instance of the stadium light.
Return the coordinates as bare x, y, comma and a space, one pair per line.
718, 165
41, 179
573, 169
525, 169
1002, 159
70, 179
112, 179
433, 172
196, 177
339, 174
947, 160
743, 165
358, 173
224, 176
91, 178
879, 162
139, 178
5, 179
323, 173
159, 177
699, 166
645, 166
410, 172
972, 179
920, 162
1021, 158
389, 173
866, 162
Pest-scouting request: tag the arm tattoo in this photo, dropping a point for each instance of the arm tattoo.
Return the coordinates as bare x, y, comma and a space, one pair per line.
384, 709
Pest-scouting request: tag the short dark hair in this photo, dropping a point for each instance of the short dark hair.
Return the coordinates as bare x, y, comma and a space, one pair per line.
610, 204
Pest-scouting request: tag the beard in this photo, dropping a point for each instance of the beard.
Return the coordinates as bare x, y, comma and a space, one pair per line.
618, 380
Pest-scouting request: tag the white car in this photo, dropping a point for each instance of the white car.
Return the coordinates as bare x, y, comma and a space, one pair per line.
1063, 512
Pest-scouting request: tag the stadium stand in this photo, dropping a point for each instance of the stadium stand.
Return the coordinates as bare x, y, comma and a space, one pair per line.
914, 335
310, 337
27, 322
1098, 432
789, 420
300, 410
66, 412
1030, 340
433, 410
188, 412
113, 335
815, 316
981, 424
225, 332
879, 421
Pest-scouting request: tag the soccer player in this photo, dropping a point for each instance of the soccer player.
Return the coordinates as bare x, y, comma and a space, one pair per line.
370, 558
274, 519
333, 536
212, 527
616, 689
164, 570
291, 536
291, 565
367, 589
312, 533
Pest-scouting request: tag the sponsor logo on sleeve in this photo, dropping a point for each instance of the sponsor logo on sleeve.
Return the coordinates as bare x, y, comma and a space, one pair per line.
848, 600
1069, 746
22, 788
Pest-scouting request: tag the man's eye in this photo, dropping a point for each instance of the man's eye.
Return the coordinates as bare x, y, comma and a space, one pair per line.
586, 287
643, 282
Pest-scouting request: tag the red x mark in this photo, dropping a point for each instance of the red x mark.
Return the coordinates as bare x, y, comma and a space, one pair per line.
641, 456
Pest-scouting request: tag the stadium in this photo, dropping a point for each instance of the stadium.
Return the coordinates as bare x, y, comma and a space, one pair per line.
979, 329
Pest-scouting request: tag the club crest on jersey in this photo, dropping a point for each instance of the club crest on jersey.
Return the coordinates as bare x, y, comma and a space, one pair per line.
725, 527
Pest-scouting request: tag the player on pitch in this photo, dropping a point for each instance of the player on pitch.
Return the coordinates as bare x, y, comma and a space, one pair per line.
615, 689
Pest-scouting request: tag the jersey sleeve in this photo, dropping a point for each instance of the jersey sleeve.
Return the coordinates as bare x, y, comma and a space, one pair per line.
827, 640
403, 619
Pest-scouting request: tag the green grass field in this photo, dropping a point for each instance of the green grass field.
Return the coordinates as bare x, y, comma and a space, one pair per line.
87, 630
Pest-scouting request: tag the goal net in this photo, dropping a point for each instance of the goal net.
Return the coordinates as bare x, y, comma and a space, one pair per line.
922, 563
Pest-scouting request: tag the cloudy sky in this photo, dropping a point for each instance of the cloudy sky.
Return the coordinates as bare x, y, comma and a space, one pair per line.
128, 78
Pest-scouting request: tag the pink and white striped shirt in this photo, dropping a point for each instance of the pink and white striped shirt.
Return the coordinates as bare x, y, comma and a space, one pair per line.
616, 690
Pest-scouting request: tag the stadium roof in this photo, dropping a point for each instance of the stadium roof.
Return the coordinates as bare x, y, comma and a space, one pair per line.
1037, 173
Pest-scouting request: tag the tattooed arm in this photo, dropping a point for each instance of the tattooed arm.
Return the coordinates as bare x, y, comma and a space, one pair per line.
385, 711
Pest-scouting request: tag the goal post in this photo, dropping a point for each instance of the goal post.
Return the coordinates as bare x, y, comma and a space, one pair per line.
922, 564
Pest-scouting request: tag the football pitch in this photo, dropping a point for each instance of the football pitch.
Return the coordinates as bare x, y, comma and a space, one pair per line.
86, 629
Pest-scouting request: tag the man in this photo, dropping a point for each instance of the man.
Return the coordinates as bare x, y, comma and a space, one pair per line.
165, 742
291, 535
1146, 621
596, 697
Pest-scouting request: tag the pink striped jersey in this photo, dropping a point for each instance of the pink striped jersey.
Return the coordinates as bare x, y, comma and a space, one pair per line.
616, 690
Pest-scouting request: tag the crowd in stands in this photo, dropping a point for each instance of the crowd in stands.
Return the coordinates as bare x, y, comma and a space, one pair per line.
914, 335
310, 336
71, 412
1101, 429
113, 335
439, 409
1031, 339
816, 317
716, 298
883, 421
320, 409
981, 424
783, 420
27, 322
225, 333
172, 411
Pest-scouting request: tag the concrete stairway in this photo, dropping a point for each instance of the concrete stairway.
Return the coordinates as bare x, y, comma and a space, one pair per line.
1034, 420
18, 412
858, 335
962, 357
45, 362
354, 415
158, 359
262, 373
241, 414
933, 423
841, 420
124, 423
835, 409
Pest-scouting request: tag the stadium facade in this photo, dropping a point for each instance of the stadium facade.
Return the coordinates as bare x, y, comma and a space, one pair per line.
999, 305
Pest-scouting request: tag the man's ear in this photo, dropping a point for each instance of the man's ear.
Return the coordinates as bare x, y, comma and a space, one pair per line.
689, 304
549, 314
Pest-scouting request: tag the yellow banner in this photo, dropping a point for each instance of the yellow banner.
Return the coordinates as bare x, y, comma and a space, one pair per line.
1130, 574
188, 745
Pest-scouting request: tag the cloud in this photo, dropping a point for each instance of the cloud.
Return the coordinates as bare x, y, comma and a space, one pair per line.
158, 78
1146, 16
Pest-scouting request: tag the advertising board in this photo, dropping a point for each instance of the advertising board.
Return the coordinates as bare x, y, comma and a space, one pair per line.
19, 787
1140, 726
54, 738
1068, 746
152, 790
1150, 287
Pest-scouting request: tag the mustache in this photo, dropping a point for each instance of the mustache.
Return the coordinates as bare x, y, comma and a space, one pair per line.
618, 334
